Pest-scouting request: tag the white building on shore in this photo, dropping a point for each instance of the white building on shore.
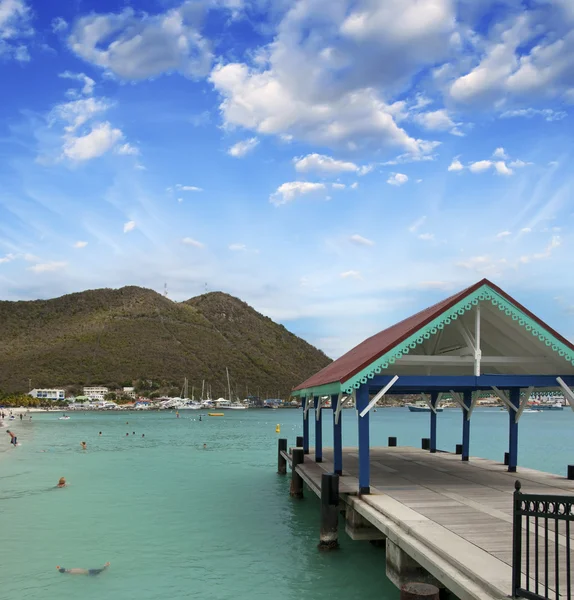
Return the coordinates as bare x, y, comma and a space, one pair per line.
96, 392
130, 391
48, 394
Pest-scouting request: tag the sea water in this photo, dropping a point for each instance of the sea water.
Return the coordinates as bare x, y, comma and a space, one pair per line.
179, 521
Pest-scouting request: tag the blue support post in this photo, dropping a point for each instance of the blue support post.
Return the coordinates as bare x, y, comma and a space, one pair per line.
467, 398
337, 436
318, 431
306, 426
434, 398
513, 431
364, 465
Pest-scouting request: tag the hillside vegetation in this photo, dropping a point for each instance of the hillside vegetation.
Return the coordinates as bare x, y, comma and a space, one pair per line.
116, 337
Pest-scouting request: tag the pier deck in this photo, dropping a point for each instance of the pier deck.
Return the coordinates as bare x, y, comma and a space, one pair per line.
454, 518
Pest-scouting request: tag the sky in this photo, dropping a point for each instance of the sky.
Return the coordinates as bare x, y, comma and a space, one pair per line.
337, 164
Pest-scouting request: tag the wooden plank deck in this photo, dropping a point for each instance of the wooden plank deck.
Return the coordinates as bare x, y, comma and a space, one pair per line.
456, 508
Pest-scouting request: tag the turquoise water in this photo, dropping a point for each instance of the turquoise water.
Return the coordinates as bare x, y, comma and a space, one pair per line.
177, 521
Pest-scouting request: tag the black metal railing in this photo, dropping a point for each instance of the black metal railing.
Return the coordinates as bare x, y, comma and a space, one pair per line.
541, 555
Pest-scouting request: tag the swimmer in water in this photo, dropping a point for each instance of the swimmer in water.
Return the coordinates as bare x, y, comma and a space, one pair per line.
100, 433
62, 482
127, 433
84, 571
13, 438
143, 434
133, 432
205, 446
84, 446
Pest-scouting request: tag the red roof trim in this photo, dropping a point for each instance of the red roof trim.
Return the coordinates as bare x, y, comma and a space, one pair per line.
339, 371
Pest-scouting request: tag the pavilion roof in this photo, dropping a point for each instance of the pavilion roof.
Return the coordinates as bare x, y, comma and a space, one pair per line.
356, 360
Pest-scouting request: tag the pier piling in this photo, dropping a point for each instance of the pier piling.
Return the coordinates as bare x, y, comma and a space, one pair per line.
329, 535
392, 441
298, 458
419, 591
458, 449
281, 462
299, 442
570, 471
425, 443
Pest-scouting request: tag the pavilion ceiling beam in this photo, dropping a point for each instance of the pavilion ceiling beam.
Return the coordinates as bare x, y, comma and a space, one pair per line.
466, 335
379, 395
524, 403
504, 399
567, 391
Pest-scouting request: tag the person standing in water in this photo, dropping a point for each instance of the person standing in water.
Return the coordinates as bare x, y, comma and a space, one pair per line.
13, 438
83, 571
84, 446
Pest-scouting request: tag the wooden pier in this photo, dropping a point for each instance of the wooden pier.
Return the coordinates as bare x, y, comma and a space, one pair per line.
443, 519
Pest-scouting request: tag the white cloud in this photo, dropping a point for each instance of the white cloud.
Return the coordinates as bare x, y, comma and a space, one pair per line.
503, 234
480, 166
138, 45
188, 188
417, 224
427, 237
7, 258
350, 275
191, 242
526, 230
354, 185
129, 226
127, 149
287, 192
242, 148
47, 267
338, 186
323, 164
59, 24
437, 120
88, 82
500, 153
484, 265
455, 165
397, 179
237, 247
548, 114
80, 244
78, 112
98, 141
518, 164
359, 240
14, 28
554, 243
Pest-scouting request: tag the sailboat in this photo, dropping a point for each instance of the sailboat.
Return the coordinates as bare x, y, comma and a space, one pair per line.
186, 403
232, 405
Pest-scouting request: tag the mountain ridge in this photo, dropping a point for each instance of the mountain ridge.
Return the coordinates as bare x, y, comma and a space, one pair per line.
116, 336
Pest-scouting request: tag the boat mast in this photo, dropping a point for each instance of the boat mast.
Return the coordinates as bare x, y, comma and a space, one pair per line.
202, 388
228, 384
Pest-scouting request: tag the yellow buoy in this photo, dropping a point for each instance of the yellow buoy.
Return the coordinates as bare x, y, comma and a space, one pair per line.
215, 414
278, 428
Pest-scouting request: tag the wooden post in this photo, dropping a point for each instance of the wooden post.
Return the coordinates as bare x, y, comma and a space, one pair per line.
281, 462
458, 449
329, 535
299, 442
419, 591
425, 443
570, 471
392, 441
298, 458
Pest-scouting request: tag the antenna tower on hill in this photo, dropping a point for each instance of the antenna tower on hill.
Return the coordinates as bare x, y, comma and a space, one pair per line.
165, 289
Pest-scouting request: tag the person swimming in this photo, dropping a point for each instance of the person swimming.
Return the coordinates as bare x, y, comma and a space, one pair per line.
100, 433
83, 571
61, 482
205, 446
84, 446
143, 434
13, 438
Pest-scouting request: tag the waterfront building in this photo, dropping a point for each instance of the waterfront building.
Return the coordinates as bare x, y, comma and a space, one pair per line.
48, 394
96, 392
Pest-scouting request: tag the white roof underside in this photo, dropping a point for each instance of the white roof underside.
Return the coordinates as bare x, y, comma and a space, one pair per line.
507, 348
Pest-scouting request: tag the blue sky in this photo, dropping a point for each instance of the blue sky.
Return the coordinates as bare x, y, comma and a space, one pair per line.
338, 164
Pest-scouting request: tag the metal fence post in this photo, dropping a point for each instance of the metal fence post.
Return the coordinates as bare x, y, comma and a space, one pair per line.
516, 539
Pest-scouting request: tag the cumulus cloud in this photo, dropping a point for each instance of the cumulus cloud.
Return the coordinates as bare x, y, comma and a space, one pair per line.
80, 244
47, 267
417, 224
129, 226
480, 166
437, 120
338, 186
455, 165
88, 82
503, 234
59, 24
325, 165
98, 141
359, 240
127, 149
500, 153
237, 247
191, 242
135, 45
15, 28
287, 192
242, 148
397, 179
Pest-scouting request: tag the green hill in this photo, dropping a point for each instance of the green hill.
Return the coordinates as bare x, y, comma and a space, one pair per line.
113, 337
